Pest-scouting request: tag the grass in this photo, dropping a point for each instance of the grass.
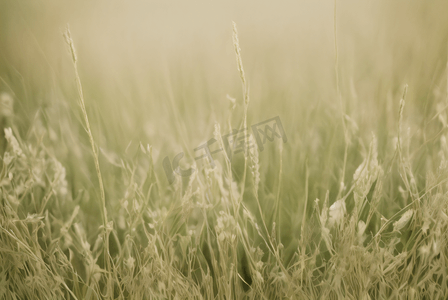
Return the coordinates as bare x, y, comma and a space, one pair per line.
353, 206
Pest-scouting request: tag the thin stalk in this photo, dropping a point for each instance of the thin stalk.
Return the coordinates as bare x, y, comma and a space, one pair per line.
105, 226
338, 91
69, 41
239, 61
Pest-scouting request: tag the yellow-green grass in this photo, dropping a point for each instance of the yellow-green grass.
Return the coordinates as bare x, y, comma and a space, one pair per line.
352, 206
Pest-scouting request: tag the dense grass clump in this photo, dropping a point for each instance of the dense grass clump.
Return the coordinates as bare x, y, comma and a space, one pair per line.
354, 205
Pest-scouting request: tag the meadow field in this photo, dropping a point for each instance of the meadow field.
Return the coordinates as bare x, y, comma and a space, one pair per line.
223, 150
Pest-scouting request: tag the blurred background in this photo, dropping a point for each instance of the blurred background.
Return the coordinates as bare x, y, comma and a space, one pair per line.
161, 73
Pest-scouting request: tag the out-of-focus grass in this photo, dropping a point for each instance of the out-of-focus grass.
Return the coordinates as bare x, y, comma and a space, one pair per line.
157, 79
